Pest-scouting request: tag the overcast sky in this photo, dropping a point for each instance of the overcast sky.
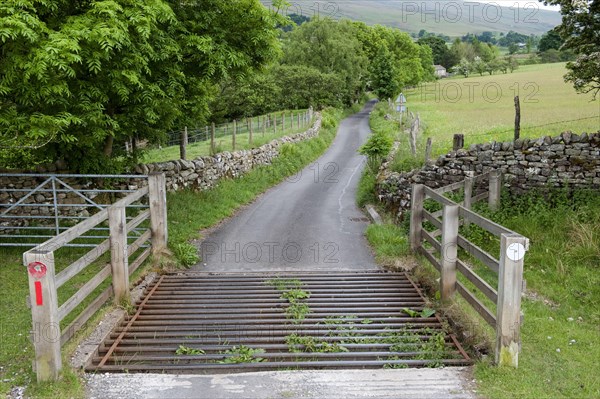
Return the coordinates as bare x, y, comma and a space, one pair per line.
509, 3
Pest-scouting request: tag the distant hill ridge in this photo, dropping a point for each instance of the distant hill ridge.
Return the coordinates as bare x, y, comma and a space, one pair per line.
451, 18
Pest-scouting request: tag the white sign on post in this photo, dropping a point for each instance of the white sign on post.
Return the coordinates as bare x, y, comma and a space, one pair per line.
515, 252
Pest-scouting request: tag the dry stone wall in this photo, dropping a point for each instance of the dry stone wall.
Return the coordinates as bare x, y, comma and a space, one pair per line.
204, 172
568, 160
200, 174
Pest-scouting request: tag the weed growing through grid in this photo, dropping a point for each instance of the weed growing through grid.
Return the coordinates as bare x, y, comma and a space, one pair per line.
242, 354
186, 350
291, 292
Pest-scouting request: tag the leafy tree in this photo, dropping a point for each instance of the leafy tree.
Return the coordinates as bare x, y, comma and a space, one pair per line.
513, 48
550, 56
426, 56
376, 148
78, 79
512, 38
479, 66
295, 20
464, 67
245, 96
441, 53
579, 28
331, 47
405, 53
512, 64
301, 86
551, 40
384, 75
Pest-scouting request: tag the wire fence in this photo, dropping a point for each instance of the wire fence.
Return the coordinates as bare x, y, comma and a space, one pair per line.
237, 133
537, 126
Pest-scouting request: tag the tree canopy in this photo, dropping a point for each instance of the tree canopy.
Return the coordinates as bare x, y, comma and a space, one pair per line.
580, 29
77, 79
80, 79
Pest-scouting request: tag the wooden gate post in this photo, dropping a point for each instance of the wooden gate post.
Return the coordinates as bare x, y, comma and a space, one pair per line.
510, 284
416, 215
233, 136
449, 252
495, 189
157, 197
117, 224
249, 131
183, 144
44, 314
212, 138
468, 201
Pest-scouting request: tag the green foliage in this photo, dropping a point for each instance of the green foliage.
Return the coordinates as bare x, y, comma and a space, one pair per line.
291, 291
441, 53
376, 148
302, 86
242, 354
579, 29
425, 312
282, 284
186, 350
389, 243
293, 295
79, 80
306, 343
551, 40
330, 47
384, 75
366, 188
186, 253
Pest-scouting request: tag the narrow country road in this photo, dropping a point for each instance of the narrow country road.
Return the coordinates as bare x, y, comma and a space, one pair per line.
310, 222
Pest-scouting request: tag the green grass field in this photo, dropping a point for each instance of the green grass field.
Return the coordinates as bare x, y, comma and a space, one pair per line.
482, 107
560, 335
224, 138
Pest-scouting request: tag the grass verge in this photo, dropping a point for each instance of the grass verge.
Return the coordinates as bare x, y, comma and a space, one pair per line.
561, 334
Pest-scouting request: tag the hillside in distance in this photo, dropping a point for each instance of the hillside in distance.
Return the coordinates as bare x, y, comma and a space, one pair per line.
452, 18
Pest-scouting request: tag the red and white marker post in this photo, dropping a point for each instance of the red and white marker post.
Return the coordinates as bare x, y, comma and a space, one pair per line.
44, 313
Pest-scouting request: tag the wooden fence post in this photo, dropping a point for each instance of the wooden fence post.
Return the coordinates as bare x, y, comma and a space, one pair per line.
428, 150
449, 251
468, 201
44, 314
233, 135
157, 197
414, 131
510, 284
298, 118
495, 189
517, 118
416, 215
249, 131
212, 138
264, 126
458, 142
117, 224
283, 121
183, 144
274, 123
